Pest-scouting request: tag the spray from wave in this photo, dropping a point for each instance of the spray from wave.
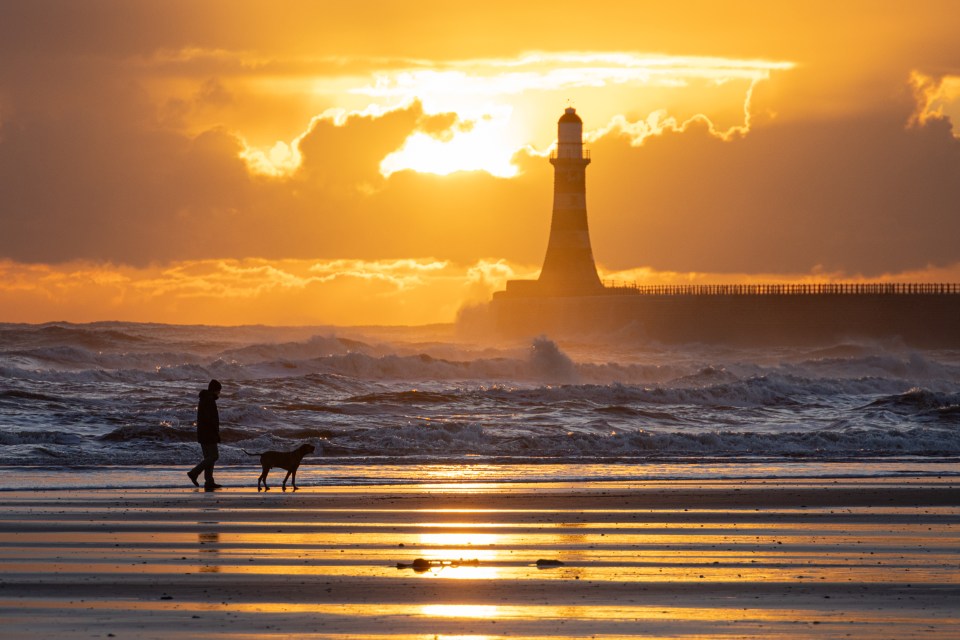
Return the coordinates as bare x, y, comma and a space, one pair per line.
124, 394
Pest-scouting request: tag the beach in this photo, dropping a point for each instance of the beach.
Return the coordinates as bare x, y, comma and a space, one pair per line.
824, 557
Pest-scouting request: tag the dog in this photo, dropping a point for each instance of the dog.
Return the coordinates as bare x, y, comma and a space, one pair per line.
289, 460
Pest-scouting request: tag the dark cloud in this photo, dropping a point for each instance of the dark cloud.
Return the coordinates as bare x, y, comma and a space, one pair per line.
347, 157
84, 188
212, 92
443, 126
93, 167
859, 195
99, 188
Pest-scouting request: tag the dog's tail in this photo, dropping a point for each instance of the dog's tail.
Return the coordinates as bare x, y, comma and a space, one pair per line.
251, 454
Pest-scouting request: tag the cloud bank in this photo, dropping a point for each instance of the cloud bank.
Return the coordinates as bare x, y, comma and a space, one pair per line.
190, 157
230, 292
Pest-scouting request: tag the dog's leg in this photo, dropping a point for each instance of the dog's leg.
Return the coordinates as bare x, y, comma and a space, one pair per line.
263, 477
285, 478
293, 479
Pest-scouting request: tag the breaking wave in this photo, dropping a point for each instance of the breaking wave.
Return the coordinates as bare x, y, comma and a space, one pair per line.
124, 394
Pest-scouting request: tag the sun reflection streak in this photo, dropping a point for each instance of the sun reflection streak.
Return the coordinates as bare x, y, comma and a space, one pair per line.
462, 546
460, 610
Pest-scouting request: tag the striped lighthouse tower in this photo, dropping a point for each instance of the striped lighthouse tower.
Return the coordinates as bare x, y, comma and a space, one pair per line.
568, 268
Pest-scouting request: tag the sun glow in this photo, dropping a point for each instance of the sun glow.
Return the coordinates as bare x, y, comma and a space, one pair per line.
498, 105
279, 160
484, 146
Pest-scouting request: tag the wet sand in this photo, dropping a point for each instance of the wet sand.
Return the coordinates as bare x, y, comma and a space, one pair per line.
836, 558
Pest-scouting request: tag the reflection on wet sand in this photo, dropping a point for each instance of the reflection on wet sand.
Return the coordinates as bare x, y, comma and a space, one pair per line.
462, 546
622, 569
460, 610
209, 543
783, 549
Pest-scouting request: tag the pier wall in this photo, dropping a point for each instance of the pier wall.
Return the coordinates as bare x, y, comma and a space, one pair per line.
922, 320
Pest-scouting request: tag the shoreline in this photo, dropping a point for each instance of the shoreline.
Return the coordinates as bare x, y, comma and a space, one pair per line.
786, 558
324, 473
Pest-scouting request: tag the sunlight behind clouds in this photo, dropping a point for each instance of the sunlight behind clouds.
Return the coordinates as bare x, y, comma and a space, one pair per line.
484, 147
345, 292
512, 104
177, 162
279, 160
279, 292
937, 97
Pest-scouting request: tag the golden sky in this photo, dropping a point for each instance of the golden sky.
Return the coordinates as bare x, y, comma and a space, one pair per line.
383, 162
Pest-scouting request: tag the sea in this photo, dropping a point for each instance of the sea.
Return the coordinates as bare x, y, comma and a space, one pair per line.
113, 404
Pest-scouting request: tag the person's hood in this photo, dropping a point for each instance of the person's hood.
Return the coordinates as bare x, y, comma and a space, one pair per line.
206, 394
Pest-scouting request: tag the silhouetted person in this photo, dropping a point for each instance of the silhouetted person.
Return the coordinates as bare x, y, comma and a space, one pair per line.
208, 435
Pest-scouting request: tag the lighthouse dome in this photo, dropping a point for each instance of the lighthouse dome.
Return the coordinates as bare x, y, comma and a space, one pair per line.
570, 116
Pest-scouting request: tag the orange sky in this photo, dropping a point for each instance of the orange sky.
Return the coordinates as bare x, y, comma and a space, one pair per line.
370, 162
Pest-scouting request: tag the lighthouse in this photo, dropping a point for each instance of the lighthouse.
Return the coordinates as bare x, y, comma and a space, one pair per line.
568, 267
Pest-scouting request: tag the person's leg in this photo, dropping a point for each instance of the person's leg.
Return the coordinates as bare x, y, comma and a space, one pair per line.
210, 455
194, 473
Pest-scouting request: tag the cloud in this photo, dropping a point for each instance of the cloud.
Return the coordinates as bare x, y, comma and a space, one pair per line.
859, 195
283, 292
442, 126
402, 275
98, 187
477, 112
346, 150
311, 292
148, 156
496, 93
194, 141
491, 79
856, 195
937, 98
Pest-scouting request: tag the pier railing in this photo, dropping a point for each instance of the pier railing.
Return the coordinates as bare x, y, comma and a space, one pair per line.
870, 288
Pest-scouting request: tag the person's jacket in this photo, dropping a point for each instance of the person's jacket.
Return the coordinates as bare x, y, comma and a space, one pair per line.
208, 418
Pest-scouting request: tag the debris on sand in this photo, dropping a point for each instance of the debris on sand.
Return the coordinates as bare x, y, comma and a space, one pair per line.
542, 564
419, 565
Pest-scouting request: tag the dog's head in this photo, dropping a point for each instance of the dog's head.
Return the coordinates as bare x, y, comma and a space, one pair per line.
304, 449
